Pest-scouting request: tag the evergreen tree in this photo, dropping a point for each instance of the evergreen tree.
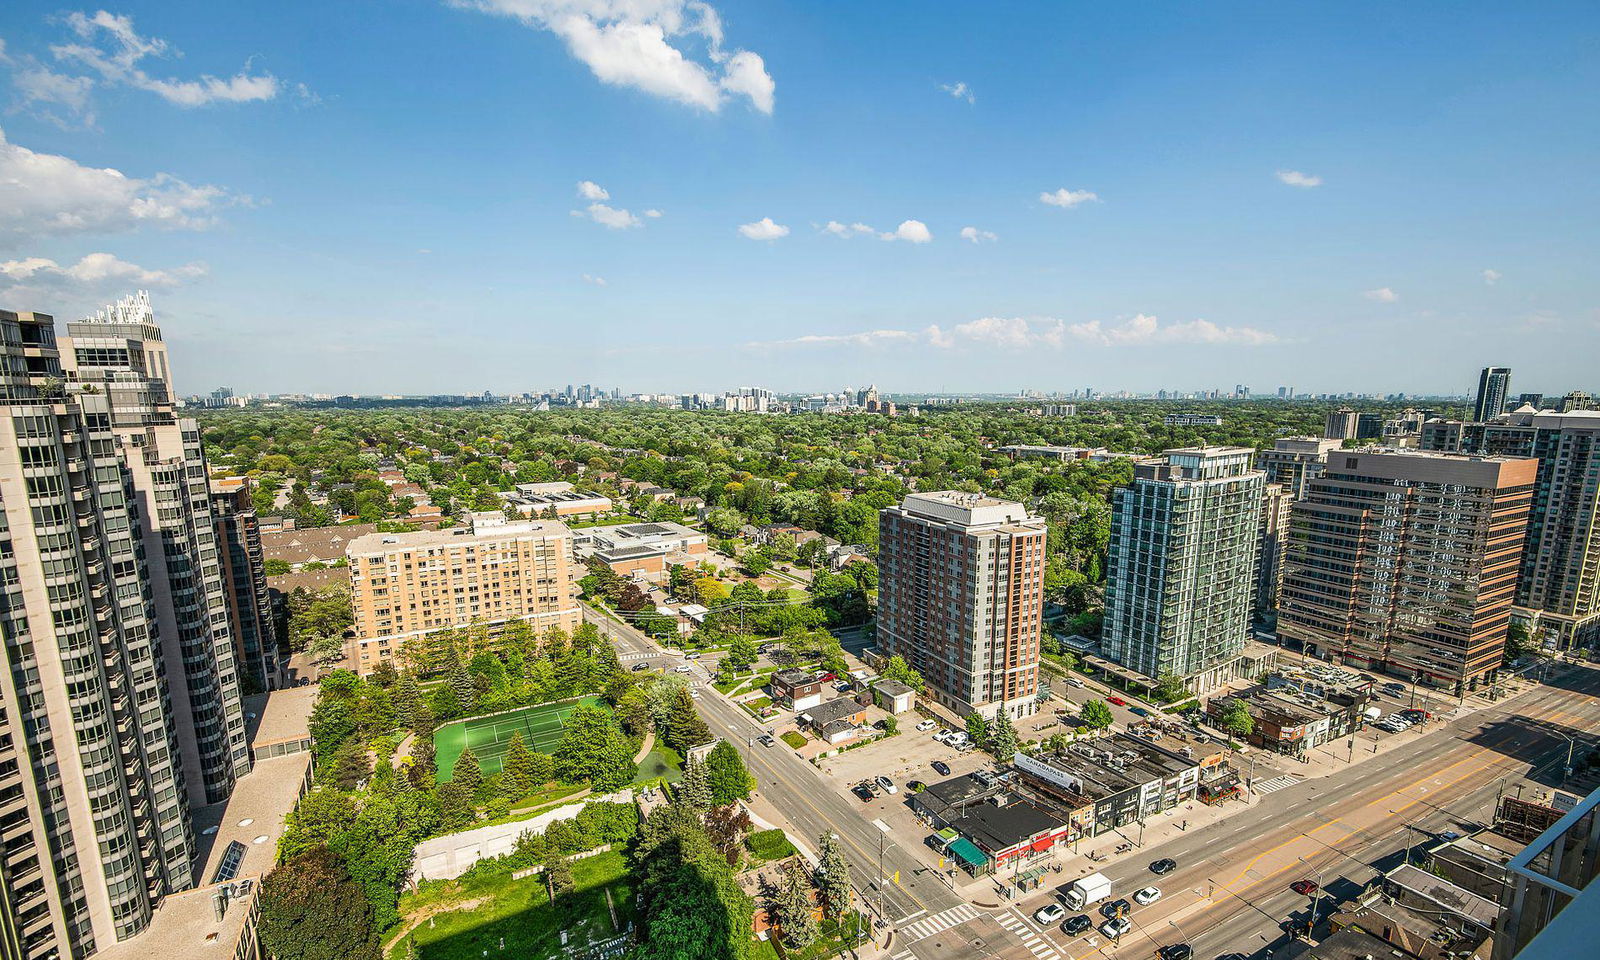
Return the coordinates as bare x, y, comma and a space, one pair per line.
727, 775
694, 790
684, 728
794, 908
465, 690
517, 768
559, 875
468, 774
833, 876
1003, 736
408, 705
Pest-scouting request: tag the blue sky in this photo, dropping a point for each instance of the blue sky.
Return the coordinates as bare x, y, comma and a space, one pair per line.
424, 196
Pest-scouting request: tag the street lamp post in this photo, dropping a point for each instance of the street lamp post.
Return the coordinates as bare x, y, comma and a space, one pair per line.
1316, 898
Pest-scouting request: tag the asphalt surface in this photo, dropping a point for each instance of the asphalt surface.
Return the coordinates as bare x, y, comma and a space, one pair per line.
802, 794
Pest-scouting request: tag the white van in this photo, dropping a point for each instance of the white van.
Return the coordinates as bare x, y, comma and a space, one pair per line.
1074, 682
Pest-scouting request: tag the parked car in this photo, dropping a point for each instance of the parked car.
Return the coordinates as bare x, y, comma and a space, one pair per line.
916, 786
1072, 926
863, 791
1116, 927
1049, 913
941, 768
1232, 956
1175, 951
768, 741
1304, 887
1117, 700
887, 785
681, 668
691, 655
925, 726
1074, 682
1416, 715
1139, 712
1147, 896
1163, 866
1449, 836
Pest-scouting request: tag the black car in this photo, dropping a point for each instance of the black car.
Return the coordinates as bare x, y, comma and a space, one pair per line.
1116, 908
1175, 951
1232, 956
1163, 866
1072, 926
641, 666
863, 791
941, 768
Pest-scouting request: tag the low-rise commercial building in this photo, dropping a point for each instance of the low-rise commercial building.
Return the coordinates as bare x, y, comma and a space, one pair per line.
557, 500
1105, 783
642, 550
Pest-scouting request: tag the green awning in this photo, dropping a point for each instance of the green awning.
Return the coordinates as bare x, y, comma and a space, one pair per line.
968, 851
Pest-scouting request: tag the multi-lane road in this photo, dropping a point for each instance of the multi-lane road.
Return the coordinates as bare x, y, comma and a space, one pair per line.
1230, 893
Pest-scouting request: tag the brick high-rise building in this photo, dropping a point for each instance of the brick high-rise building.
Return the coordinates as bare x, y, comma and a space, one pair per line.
406, 585
1275, 504
1292, 461
1405, 562
1181, 572
1558, 592
961, 598
111, 727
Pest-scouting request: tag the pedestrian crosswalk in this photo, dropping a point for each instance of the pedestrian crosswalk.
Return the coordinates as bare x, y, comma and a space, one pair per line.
1276, 783
636, 656
938, 923
1030, 936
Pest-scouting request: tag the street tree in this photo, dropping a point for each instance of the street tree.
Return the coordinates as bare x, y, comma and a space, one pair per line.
1096, 714
833, 876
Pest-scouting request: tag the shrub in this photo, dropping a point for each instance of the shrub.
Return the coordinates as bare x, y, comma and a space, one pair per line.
769, 845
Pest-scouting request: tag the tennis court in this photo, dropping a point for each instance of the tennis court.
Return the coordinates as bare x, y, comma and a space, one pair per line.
490, 736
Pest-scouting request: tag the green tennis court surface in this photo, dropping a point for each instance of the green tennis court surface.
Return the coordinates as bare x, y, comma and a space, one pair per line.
490, 737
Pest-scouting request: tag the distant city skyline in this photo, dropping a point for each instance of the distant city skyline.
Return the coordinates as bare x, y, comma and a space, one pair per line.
448, 197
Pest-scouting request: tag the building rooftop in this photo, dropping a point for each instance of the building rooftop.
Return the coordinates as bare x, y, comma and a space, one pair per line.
996, 828
826, 713
375, 544
318, 543
964, 509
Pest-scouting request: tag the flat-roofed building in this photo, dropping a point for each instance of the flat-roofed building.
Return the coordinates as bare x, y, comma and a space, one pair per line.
961, 596
405, 585
1294, 461
642, 550
1406, 562
1182, 562
556, 500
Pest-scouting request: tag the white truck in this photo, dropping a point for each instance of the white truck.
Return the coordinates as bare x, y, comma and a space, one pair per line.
1087, 891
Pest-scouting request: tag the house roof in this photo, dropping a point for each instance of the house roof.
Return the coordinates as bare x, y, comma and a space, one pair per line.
893, 688
825, 713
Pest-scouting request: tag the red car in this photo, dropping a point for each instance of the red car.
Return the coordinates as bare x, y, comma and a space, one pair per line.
1117, 700
1304, 887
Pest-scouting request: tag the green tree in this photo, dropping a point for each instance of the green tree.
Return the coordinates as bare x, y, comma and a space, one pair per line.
727, 775
741, 653
594, 749
312, 910
683, 727
896, 669
694, 789
1169, 688
456, 810
1096, 714
977, 729
1002, 737
558, 873
795, 918
833, 876
466, 692
467, 773
1235, 718
516, 769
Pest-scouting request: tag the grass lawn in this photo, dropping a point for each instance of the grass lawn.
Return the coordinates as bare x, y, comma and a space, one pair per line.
489, 737
662, 761
833, 937
794, 739
517, 913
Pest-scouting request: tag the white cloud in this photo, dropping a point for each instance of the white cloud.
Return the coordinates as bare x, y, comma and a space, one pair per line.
1032, 333
597, 281
94, 270
959, 90
1492, 277
608, 216
1295, 178
911, 231
844, 232
1382, 295
1068, 198
646, 44
653, 214
764, 229
43, 194
978, 236
589, 190
112, 48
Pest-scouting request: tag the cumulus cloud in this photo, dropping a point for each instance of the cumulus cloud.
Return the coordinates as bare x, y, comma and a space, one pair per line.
48, 194
1491, 277
911, 231
1382, 295
1033, 333
589, 190
653, 214
591, 278
763, 229
615, 218
1295, 178
94, 270
846, 232
1068, 198
648, 45
959, 90
978, 236
109, 46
